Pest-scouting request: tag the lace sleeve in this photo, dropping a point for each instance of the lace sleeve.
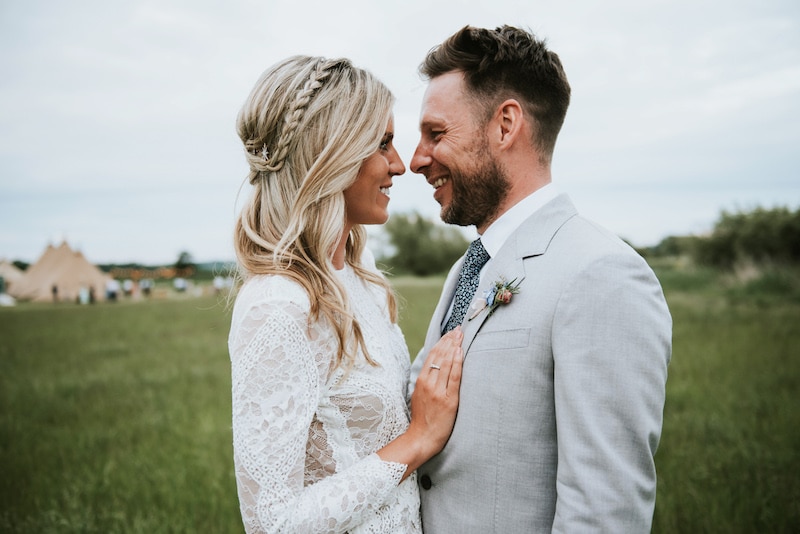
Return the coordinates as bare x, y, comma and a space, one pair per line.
276, 381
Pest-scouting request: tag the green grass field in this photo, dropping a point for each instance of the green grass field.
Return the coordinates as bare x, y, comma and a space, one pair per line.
116, 417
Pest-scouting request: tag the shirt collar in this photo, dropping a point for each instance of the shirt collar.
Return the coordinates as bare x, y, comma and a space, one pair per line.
499, 231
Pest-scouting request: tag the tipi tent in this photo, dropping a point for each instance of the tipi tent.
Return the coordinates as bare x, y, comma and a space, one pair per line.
59, 273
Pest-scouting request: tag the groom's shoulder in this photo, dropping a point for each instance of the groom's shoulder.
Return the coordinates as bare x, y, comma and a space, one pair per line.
591, 237
575, 245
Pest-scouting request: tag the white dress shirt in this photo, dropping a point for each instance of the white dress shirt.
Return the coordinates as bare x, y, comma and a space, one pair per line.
500, 230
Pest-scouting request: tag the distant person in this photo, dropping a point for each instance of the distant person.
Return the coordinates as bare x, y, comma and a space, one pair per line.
321, 433
127, 287
567, 335
180, 284
112, 289
146, 285
54, 291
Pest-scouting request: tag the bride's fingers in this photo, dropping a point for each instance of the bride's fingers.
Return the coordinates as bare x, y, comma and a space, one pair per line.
433, 361
448, 349
454, 376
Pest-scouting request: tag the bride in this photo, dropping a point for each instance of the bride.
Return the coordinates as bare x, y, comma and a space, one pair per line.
322, 436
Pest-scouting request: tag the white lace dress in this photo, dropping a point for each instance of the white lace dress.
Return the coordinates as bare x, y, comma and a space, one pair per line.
305, 435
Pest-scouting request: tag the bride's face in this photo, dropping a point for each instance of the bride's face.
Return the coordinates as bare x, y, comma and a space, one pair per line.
367, 200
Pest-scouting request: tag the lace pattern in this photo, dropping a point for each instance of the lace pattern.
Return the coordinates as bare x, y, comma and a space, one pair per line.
305, 434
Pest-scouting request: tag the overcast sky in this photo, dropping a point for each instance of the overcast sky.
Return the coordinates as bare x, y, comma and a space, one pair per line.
117, 117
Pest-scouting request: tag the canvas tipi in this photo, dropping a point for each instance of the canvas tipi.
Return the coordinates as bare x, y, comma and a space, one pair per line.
60, 273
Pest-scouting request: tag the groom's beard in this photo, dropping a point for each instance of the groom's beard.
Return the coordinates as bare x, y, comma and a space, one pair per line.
477, 192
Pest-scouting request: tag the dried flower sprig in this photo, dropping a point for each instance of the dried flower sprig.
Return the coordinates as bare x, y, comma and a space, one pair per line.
499, 293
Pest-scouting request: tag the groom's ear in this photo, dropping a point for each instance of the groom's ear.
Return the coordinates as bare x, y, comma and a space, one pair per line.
507, 124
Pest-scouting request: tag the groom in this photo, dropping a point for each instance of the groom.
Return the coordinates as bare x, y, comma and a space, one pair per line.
565, 364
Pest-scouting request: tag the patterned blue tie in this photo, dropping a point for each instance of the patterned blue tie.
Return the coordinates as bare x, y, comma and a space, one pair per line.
467, 283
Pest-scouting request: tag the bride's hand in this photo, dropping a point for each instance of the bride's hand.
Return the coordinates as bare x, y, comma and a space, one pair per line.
435, 399
433, 406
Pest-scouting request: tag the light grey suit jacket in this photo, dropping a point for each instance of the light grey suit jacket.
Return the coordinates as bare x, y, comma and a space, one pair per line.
563, 388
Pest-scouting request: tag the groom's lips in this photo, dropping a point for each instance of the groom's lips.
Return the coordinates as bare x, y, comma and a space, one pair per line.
438, 187
438, 181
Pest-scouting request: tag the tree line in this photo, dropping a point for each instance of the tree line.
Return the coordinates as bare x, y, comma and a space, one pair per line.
765, 237
420, 246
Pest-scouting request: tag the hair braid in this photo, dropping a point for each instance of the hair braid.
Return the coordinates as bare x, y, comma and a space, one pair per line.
294, 115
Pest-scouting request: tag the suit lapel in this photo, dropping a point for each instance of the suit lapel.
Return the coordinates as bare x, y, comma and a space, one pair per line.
531, 239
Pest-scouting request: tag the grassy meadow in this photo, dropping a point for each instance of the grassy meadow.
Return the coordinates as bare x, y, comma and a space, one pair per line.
116, 417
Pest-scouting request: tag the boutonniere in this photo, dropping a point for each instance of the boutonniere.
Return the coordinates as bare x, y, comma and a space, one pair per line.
499, 293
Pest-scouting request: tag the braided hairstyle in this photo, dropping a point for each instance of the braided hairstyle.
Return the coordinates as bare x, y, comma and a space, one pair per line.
307, 126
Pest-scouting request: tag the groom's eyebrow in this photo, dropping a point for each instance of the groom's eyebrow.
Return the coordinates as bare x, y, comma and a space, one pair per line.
431, 124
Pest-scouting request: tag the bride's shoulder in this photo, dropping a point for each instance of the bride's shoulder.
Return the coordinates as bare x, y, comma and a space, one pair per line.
264, 290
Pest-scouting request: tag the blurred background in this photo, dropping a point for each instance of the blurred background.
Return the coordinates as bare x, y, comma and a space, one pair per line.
121, 175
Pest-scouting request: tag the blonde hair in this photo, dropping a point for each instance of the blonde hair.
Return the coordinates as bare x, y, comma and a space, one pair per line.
307, 126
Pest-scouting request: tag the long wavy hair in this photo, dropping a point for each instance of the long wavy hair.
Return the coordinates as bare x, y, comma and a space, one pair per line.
307, 126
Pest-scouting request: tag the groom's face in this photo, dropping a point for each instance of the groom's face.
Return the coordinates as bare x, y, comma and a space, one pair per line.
454, 155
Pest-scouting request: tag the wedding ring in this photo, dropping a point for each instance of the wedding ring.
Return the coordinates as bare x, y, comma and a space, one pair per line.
434, 366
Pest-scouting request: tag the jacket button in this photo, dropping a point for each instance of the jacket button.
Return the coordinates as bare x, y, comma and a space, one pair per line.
425, 482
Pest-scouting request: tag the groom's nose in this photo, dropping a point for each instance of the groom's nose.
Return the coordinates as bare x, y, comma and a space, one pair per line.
421, 158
